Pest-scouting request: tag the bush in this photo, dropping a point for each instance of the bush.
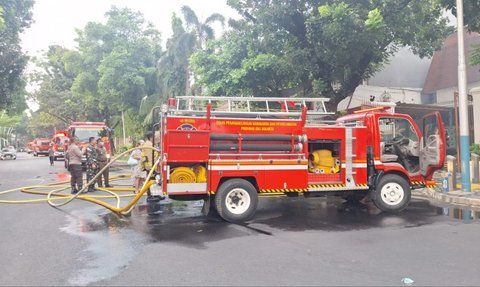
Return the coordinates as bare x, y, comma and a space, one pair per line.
475, 148
123, 148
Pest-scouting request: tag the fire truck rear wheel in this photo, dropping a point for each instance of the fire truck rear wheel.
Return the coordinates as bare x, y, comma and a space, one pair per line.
236, 200
393, 193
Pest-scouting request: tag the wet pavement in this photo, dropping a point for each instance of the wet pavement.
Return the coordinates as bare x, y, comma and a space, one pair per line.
290, 241
182, 225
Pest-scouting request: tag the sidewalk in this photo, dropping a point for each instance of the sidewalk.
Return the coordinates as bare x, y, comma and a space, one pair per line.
455, 197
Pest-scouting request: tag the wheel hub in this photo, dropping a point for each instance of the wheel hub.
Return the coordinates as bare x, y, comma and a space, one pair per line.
392, 193
238, 201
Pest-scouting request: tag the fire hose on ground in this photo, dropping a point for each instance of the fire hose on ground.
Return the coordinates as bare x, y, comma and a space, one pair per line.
55, 195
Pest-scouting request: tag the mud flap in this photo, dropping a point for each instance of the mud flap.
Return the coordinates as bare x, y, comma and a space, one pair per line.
206, 205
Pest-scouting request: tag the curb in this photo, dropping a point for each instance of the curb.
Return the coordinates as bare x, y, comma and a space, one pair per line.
468, 199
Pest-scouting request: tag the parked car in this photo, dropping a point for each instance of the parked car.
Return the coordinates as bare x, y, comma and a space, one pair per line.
7, 153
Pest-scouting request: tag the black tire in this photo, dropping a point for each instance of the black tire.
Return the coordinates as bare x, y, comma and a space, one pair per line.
236, 200
392, 194
35, 154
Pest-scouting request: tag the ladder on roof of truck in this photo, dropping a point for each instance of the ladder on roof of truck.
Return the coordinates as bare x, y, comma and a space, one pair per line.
248, 106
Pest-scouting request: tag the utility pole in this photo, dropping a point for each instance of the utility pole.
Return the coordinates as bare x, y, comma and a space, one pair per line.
123, 129
463, 102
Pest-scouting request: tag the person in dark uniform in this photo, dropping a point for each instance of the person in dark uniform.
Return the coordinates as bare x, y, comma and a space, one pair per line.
51, 154
102, 162
92, 162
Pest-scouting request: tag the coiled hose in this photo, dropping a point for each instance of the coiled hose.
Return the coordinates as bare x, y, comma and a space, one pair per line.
55, 195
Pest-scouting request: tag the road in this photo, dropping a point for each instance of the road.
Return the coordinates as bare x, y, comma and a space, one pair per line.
291, 241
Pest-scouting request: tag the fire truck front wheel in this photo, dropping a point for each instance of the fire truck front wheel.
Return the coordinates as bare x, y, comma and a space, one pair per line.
236, 200
392, 194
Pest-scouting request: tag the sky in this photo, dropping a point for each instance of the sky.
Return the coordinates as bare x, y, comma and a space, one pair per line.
56, 20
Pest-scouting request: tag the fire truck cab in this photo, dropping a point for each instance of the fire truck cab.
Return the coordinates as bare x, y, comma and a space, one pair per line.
85, 130
228, 151
41, 146
59, 140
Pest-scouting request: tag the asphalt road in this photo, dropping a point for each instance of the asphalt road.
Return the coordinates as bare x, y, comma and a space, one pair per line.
291, 241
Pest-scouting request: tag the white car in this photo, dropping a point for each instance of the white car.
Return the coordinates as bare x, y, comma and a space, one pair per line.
8, 153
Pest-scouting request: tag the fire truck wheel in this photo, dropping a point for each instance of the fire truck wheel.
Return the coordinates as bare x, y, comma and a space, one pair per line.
392, 194
236, 200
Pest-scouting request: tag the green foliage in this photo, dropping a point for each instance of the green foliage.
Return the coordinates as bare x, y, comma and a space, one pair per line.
287, 48
475, 148
475, 57
123, 148
471, 19
174, 72
113, 70
14, 18
2, 21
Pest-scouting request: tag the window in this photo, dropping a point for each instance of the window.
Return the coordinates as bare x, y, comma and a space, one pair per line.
396, 128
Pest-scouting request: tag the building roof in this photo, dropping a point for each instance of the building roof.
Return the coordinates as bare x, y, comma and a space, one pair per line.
443, 69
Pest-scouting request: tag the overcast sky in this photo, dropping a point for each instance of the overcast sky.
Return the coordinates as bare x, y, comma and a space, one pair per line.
56, 20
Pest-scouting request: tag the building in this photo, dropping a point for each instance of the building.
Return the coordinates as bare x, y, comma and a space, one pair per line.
419, 86
441, 83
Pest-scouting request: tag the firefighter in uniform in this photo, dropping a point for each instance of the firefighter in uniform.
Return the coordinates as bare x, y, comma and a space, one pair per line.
148, 161
92, 162
102, 162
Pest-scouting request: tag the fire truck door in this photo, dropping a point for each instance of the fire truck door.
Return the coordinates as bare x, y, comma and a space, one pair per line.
432, 153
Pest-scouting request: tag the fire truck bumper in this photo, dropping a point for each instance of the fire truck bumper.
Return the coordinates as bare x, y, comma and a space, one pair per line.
59, 154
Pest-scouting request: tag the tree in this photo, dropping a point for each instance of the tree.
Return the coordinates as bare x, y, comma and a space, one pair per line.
173, 70
15, 16
471, 20
313, 47
117, 67
55, 78
112, 71
202, 32
2, 21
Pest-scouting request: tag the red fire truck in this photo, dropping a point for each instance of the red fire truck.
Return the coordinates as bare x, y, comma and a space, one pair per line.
59, 140
85, 130
231, 150
41, 146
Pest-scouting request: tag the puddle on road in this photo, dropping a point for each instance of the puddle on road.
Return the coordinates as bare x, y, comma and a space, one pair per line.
110, 245
182, 223
463, 214
113, 241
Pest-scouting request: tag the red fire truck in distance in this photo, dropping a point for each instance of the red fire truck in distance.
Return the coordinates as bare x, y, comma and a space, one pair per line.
231, 150
59, 140
41, 146
85, 130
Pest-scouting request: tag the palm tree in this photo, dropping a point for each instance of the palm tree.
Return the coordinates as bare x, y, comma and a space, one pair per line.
202, 31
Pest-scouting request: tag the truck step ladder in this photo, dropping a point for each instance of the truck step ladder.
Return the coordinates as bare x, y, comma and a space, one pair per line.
256, 107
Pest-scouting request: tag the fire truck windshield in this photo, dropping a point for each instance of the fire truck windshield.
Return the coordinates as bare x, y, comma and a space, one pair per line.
60, 140
84, 134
